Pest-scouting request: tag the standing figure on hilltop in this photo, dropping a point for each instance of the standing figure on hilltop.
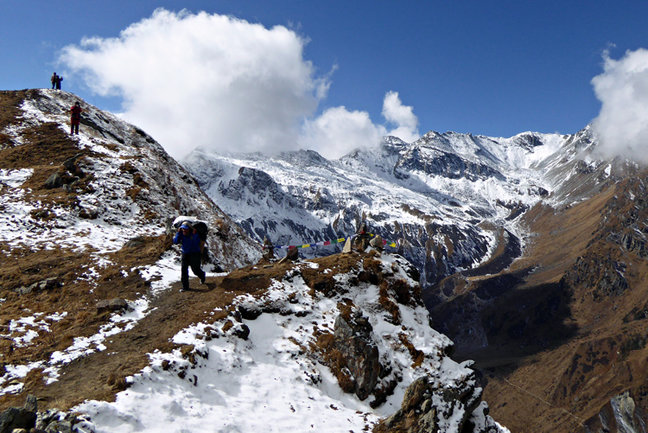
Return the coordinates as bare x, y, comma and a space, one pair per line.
54, 80
75, 118
58, 82
192, 247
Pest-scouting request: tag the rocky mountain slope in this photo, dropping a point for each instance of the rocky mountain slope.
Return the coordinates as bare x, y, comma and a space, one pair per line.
451, 201
564, 329
92, 320
530, 248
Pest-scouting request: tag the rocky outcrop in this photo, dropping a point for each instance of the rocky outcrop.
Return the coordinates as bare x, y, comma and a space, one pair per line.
28, 419
439, 163
111, 305
19, 417
39, 286
427, 408
359, 353
619, 415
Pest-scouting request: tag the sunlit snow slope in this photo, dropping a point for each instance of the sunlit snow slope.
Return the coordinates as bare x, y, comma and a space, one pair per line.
449, 200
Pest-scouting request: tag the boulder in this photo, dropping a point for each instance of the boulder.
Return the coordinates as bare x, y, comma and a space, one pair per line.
54, 181
16, 418
72, 167
46, 284
116, 304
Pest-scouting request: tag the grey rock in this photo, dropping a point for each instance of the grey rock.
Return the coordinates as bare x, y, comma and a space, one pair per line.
353, 338
135, 242
59, 426
54, 181
31, 403
15, 418
620, 415
46, 284
116, 304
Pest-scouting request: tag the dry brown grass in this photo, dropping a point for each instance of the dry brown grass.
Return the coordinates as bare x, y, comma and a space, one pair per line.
99, 375
556, 389
9, 114
417, 356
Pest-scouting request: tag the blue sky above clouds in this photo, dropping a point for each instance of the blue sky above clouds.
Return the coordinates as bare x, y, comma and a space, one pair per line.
275, 75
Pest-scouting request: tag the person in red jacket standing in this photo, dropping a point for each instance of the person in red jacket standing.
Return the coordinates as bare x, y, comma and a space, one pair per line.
75, 118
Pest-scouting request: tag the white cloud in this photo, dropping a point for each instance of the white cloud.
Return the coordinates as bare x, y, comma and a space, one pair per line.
338, 131
622, 88
204, 79
402, 116
225, 84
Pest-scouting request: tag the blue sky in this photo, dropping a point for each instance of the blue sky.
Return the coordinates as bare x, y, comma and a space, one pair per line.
487, 67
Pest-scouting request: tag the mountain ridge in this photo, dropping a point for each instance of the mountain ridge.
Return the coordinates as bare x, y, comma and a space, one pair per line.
527, 245
92, 316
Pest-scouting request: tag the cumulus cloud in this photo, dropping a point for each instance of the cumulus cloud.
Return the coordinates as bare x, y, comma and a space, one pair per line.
338, 131
622, 88
225, 84
401, 116
203, 79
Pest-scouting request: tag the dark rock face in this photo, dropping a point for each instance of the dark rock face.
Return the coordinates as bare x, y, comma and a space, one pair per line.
443, 164
28, 419
620, 414
360, 354
603, 274
16, 418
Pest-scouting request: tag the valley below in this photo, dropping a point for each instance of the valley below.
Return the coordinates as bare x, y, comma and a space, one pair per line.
560, 335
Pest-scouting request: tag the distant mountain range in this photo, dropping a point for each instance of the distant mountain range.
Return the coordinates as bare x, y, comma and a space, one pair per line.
448, 200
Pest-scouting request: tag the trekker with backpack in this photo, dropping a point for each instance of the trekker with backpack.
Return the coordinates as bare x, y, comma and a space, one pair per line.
192, 247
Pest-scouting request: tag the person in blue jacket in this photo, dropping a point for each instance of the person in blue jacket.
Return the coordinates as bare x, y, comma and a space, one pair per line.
192, 247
